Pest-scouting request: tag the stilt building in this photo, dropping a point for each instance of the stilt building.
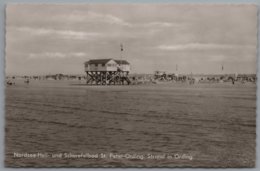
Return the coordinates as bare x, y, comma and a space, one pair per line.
107, 72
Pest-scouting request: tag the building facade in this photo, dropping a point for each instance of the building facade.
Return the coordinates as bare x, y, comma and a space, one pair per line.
107, 65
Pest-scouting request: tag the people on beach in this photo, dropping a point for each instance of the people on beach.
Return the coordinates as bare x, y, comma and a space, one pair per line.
9, 82
27, 81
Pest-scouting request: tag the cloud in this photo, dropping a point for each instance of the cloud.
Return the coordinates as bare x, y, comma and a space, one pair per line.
97, 17
161, 24
91, 16
201, 46
218, 58
56, 55
158, 24
67, 34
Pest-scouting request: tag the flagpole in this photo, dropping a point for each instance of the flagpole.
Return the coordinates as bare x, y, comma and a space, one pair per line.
121, 48
222, 68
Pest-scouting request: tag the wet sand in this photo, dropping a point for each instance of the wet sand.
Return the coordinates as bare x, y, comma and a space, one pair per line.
213, 123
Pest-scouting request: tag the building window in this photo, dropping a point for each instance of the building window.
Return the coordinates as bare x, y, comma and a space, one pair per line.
103, 65
96, 65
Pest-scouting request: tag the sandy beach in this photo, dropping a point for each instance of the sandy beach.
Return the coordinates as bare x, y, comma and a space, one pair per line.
213, 123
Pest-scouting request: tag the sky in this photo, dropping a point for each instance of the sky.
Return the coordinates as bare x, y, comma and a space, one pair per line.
48, 39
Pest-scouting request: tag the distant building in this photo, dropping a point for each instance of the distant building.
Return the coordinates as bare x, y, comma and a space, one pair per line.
107, 65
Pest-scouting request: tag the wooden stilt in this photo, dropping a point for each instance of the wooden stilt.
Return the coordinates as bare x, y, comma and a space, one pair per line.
107, 77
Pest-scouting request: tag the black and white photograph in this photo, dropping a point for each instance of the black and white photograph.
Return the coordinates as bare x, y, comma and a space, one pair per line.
130, 85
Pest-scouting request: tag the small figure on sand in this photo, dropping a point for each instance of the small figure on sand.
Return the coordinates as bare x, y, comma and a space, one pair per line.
10, 82
27, 81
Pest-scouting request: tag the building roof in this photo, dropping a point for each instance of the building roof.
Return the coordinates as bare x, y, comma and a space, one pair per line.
122, 62
104, 61
98, 61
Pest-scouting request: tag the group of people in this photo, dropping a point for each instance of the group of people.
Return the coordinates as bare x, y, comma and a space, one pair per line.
11, 81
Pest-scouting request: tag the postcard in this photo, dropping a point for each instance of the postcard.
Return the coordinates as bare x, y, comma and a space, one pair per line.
130, 85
